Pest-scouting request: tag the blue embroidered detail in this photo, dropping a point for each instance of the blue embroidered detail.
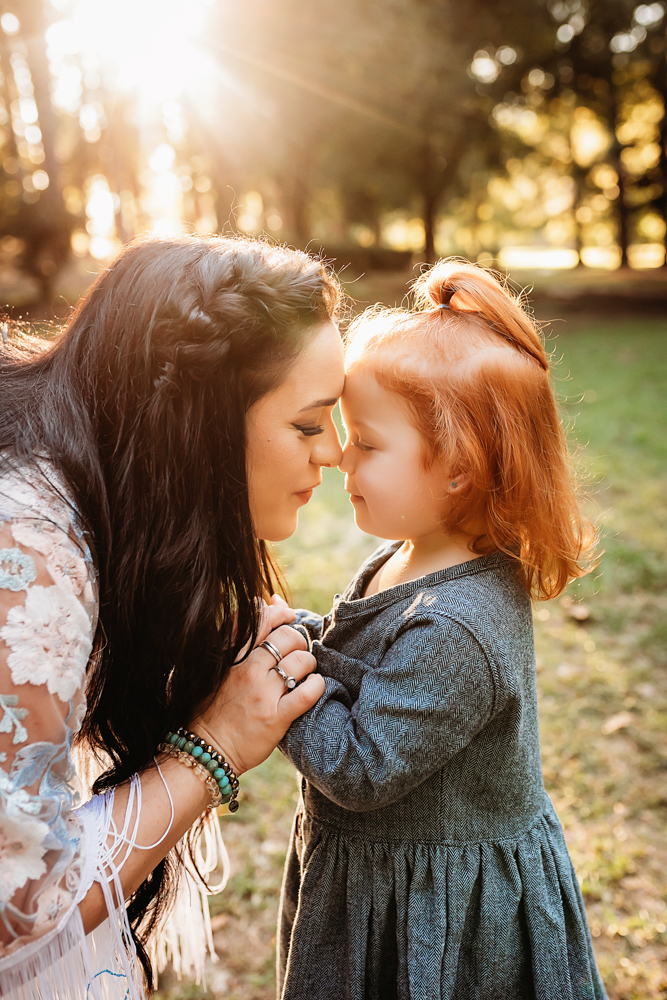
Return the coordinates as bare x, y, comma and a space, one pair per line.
17, 569
12, 717
116, 975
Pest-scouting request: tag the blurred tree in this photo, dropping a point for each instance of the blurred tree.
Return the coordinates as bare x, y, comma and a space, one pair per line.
34, 215
382, 109
606, 115
318, 121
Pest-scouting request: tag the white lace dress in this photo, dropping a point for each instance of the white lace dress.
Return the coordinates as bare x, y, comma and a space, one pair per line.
54, 843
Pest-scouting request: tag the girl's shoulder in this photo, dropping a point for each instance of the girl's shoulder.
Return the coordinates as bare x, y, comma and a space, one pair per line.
490, 578
482, 600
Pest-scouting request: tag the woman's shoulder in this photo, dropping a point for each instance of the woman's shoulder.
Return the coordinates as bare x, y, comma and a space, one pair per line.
38, 514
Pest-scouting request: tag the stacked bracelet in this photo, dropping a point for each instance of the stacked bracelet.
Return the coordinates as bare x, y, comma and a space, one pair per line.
197, 753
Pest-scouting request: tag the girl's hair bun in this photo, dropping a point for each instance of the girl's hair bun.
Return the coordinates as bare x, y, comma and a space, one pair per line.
455, 285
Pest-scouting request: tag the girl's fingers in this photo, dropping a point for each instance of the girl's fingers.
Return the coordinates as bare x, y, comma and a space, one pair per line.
276, 599
295, 703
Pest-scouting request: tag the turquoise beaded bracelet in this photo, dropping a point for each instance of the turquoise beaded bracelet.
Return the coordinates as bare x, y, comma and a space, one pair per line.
208, 757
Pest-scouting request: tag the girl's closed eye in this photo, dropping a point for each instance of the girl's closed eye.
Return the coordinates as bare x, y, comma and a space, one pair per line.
362, 446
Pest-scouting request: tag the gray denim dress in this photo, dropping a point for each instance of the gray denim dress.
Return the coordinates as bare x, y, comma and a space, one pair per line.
426, 860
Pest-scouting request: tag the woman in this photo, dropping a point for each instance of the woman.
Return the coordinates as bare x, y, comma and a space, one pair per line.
145, 460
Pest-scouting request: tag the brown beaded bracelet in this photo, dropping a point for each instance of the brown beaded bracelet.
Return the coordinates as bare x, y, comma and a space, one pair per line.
189, 761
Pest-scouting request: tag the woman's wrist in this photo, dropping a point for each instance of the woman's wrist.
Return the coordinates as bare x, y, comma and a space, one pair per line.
201, 729
194, 750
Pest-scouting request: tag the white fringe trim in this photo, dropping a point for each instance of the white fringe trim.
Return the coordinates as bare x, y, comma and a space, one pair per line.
65, 964
70, 966
185, 938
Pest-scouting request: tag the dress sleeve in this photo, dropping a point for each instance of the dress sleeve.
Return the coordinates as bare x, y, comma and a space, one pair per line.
428, 697
310, 623
46, 631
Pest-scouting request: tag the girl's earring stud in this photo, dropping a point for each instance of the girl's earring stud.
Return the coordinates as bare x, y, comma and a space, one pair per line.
453, 485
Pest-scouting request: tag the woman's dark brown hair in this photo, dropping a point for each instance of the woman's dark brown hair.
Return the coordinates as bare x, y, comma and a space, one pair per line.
141, 405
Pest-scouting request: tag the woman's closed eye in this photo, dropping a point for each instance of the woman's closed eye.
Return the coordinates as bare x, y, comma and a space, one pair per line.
309, 430
362, 446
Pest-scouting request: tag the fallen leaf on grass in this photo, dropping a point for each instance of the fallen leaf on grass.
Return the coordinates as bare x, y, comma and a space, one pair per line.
620, 721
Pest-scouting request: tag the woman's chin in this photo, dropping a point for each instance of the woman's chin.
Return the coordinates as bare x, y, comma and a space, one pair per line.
278, 531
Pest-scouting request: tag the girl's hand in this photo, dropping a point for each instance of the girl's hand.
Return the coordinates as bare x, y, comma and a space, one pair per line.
253, 709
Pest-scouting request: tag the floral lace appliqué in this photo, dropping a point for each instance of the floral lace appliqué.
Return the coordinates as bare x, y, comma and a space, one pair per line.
65, 564
17, 569
13, 717
22, 852
50, 638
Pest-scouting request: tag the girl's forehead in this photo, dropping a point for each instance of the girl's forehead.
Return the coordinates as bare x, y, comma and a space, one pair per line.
365, 396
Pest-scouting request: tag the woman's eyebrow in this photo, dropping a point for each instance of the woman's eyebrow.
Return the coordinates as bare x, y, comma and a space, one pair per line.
319, 403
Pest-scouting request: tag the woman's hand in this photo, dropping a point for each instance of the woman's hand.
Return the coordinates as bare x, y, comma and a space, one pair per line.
253, 709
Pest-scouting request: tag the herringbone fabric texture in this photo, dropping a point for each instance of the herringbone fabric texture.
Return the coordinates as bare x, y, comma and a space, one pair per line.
426, 860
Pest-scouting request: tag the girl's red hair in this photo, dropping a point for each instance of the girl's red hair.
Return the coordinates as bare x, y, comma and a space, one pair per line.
473, 368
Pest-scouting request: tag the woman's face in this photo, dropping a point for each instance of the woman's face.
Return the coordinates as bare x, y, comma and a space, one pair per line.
291, 434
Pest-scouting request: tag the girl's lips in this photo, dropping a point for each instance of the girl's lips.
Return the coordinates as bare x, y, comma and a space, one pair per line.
305, 495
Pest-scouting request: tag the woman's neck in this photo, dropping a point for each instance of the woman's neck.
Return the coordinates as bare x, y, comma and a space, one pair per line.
419, 557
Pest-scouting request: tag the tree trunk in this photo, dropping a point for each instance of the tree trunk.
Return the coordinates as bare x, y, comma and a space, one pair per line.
294, 206
660, 84
622, 212
578, 176
300, 221
46, 220
430, 204
623, 216
436, 176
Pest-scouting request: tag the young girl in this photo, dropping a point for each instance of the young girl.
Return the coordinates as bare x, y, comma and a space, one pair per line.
427, 861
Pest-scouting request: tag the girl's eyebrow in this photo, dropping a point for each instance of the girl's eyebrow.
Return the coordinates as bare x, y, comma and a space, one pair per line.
319, 403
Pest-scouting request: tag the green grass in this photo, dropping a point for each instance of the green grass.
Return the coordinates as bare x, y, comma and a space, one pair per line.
603, 681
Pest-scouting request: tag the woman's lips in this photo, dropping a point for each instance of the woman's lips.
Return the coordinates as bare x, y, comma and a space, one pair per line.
305, 495
355, 498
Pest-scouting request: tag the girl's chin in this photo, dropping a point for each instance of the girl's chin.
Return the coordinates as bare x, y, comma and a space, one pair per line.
365, 523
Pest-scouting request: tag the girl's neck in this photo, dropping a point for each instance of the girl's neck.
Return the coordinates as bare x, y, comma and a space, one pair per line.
419, 557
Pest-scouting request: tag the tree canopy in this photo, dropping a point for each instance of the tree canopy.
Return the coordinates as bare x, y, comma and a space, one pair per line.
435, 126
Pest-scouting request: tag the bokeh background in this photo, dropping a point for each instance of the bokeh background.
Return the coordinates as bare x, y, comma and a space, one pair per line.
527, 134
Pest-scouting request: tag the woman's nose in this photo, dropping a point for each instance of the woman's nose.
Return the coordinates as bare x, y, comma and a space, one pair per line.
346, 463
327, 450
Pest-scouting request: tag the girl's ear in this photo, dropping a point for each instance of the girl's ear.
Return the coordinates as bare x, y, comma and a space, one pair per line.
458, 483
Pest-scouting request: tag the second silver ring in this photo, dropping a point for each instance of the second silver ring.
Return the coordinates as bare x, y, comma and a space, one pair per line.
290, 682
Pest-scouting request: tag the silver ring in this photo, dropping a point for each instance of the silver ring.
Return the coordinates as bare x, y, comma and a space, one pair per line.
290, 682
273, 650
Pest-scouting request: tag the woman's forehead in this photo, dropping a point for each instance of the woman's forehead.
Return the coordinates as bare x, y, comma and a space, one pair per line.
318, 374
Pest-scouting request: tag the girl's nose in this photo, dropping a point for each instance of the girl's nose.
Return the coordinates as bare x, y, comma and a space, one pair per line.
327, 449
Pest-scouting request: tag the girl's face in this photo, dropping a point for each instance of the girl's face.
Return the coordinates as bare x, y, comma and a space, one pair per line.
291, 434
393, 496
